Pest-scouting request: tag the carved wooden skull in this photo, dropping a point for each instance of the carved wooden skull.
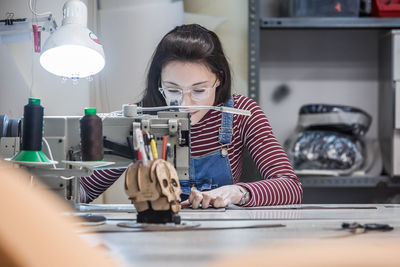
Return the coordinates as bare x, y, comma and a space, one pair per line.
157, 183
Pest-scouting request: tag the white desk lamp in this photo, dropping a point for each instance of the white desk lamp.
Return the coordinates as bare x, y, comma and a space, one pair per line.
73, 51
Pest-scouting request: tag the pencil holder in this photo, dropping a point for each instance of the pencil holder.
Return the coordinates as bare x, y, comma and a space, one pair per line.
155, 191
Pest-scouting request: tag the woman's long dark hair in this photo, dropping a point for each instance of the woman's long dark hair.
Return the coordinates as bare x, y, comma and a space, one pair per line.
188, 43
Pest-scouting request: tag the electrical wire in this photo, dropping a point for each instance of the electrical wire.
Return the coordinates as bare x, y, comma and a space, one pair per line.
34, 20
49, 150
52, 159
218, 108
67, 178
35, 12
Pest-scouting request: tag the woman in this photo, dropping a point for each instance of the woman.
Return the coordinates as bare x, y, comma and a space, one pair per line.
189, 68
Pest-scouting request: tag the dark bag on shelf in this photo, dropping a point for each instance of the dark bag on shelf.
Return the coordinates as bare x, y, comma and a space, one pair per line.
326, 150
329, 137
339, 118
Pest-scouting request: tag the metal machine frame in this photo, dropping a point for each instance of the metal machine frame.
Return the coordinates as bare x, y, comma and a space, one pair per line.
63, 135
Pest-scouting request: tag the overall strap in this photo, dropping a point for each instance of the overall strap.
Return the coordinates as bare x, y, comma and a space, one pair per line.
226, 129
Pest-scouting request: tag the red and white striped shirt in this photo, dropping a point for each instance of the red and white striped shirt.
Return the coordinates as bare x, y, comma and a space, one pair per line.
93, 186
280, 185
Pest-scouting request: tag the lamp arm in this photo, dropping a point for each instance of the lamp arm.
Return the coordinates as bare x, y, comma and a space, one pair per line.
50, 25
35, 12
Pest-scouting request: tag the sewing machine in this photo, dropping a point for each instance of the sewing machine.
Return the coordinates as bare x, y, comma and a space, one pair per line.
63, 136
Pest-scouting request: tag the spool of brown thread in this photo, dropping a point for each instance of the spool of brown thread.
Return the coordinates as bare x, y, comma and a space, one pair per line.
91, 136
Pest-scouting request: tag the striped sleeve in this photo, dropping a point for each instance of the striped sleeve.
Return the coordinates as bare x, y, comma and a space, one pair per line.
93, 186
280, 185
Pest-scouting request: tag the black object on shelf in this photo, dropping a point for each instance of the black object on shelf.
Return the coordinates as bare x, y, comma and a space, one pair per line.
329, 137
329, 23
320, 8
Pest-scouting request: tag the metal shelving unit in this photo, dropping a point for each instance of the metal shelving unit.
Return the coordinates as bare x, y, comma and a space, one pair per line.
349, 181
259, 24
329, 23
254, 49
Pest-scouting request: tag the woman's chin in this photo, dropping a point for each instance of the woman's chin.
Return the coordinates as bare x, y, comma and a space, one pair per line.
197, 116
193, 121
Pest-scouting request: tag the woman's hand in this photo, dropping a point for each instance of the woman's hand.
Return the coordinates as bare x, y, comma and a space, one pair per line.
217, 198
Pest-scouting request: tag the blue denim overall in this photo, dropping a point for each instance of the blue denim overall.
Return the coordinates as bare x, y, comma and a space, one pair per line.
213, 169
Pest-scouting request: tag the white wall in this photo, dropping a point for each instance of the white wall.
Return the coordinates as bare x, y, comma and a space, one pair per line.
57, 98
232, 33
130, 32
319, 66
14, 89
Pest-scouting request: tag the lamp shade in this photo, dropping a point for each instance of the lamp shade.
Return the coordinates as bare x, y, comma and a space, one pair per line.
73, 51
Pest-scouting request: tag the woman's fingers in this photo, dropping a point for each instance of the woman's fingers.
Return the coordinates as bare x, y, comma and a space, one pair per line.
191, 195
195, 198
220, 202
218, 198
206, 201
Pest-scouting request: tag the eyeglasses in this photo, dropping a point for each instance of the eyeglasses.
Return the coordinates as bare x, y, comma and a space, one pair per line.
175, 95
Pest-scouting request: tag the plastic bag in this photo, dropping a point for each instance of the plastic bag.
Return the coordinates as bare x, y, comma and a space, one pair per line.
326, 150
329, 138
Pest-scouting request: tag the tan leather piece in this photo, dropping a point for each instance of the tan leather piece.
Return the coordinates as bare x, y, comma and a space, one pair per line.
139, 185
160, 204
142, 206
168, 180
157, 183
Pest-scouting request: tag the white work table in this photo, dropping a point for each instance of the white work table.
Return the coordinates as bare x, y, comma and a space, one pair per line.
137, 247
